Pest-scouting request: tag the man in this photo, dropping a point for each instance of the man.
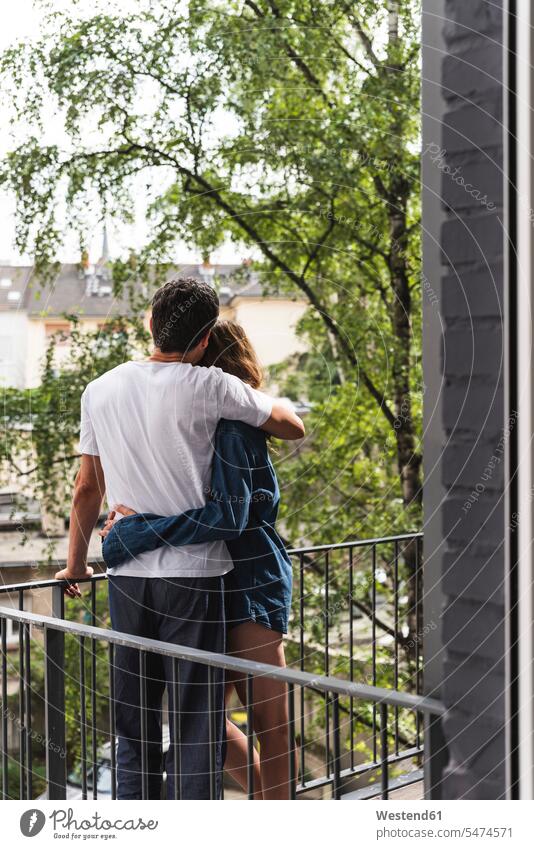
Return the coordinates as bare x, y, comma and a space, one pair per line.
146, 439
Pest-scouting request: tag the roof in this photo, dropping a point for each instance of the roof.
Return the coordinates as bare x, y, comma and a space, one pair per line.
88, 291
13, 280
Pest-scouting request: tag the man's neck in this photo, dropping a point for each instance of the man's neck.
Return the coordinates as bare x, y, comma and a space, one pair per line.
158, 356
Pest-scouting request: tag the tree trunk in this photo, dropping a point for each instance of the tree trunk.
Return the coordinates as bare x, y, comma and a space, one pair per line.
393, 21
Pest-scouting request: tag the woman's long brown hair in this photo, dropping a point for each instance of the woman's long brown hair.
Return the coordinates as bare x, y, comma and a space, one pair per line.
230, 349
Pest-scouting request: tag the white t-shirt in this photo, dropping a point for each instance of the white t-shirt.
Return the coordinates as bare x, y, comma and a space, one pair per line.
152, 425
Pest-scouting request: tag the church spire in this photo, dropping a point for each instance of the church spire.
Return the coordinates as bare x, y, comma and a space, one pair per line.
105, 245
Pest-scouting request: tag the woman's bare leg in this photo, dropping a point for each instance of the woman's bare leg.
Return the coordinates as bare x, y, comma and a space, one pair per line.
270, 710
236, 761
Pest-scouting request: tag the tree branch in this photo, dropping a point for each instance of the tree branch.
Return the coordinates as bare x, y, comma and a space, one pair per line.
364, 38
320, 244
290, 51
52, 463
298, 280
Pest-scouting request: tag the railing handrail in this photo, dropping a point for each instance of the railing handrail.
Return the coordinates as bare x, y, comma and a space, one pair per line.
309, 549
327, 684
48, 583
355, 543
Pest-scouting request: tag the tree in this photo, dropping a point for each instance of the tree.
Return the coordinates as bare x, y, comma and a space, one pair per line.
290, 128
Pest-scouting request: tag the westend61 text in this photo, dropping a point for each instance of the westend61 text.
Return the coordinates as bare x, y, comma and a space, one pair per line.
408, 815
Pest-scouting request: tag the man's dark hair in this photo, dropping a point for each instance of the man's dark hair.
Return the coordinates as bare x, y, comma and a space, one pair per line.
183, 311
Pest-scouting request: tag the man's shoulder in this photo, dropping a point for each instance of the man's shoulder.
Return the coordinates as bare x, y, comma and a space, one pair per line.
210, 375
103, 380
213, 382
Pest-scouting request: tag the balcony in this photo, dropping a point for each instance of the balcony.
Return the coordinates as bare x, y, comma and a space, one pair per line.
357, 715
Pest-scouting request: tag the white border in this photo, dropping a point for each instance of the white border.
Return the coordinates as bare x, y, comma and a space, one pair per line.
525, 395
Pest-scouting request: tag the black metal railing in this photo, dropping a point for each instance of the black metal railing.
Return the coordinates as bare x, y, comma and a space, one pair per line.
386, 602
354, 677
54, 631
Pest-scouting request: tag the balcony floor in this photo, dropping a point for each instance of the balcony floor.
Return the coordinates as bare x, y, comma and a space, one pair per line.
413, 791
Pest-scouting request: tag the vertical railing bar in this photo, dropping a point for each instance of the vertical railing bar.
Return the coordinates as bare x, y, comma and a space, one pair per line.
302, 667
373, 646
301, 610
56, 745
22, 727
94, 741
396, 641
112, 725
5, 794
327, 657
212, 742
291, 732
93, 603
28, 710
143, 724
83, 719
177, 728
384, 774
326, 613
58, 604
250, 737
351, 652
337, 747
418, 630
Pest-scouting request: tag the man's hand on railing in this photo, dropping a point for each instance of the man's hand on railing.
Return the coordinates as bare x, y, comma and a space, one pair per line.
71, 588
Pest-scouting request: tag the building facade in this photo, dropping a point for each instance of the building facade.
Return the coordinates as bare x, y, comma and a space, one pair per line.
30, 314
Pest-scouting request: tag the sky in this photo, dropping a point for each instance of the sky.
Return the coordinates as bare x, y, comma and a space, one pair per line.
21, 20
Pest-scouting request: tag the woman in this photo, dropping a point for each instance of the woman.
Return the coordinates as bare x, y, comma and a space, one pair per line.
242, 510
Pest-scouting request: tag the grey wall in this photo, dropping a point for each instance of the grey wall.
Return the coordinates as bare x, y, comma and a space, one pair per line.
434, 437
464, 402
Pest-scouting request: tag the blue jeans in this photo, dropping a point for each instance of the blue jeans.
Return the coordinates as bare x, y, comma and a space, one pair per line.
183, 611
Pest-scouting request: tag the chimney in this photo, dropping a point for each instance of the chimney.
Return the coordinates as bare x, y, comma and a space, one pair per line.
206, 270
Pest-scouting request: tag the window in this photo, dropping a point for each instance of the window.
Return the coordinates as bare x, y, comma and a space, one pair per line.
59, 329
12, 627
12, 633
6, 349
